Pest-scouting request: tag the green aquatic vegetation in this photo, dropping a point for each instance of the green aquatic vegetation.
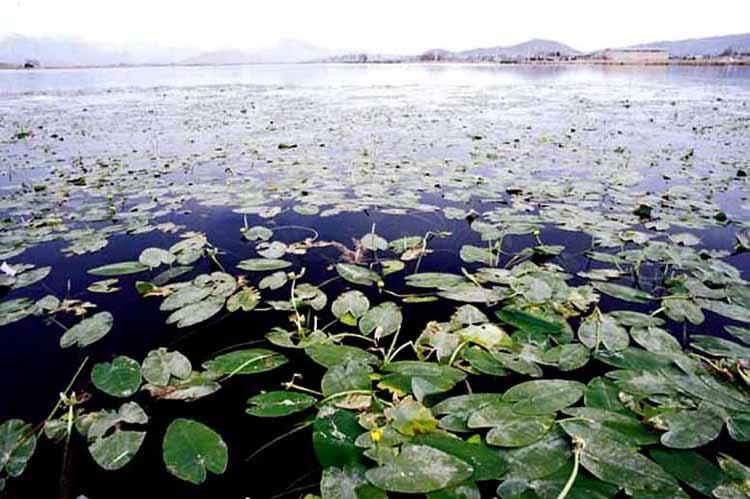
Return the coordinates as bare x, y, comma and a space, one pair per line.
461, 340
192, 449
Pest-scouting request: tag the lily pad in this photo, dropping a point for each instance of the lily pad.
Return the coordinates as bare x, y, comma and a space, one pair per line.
121, 378
420, 469
88, 331
121, 268
276, 404
250, 361
191, 449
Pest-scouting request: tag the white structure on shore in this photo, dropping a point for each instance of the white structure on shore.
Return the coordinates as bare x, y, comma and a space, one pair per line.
634, 56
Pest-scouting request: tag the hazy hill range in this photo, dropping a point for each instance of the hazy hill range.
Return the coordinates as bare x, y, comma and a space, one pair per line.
529, 49
16, 49
713, 46
286, 51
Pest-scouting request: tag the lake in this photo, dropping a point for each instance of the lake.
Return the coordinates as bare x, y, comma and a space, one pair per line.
584, 229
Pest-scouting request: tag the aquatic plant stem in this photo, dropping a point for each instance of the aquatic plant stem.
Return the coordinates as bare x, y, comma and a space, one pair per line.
280, 437
580, 444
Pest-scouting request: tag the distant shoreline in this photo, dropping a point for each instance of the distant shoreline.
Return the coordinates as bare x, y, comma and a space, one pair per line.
676, 62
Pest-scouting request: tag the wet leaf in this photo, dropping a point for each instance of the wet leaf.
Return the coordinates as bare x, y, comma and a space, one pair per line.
14, 457
625, 293
250, 361
357, 274
121, 378
420, 469
382, 320
88, 331
115, 451
276, 404
121, 268
263, 264
544, 396
190, 449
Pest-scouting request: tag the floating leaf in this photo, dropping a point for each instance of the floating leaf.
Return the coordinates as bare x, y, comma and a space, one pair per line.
14, 457
155, 257
121, 378
117, 450
196, 312
544, 396
263, 264
249, 361
420, 469
88, 331
273, 281
487, 464
383, 320
160, 365
190, 449
509, 428
599, 329
357, 275
276, 404
350, 306
621, 292
121, 268
245, 299
691, 468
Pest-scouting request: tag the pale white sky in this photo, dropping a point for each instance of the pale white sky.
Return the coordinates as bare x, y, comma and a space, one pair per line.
385, 26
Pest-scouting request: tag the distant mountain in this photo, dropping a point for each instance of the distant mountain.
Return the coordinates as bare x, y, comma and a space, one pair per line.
713, 46
285, 52
525, 50
16, 49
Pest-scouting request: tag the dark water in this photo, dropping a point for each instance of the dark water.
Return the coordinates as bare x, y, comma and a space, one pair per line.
141, 117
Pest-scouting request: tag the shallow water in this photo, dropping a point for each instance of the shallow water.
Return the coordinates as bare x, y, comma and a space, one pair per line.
389, 145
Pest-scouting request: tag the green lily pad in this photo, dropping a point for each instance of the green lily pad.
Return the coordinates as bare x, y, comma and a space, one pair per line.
121, 268
599, 329
690, 468
410, 417
160, 365
263, 264
121, 378
197, 312
487, 464
276, 404
249, 361
334, 434
155, 257
625, 293
115, 451
544, 396
420, 469
509, 428
88, 331
190, 449
14, 457
329, 355
350, 306
382, 320
357, 275
245, 299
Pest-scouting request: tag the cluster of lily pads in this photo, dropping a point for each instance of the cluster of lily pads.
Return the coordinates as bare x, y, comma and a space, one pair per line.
544, 378
393, 414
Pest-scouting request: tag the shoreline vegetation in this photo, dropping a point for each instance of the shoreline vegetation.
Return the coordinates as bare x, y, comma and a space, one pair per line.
676, 62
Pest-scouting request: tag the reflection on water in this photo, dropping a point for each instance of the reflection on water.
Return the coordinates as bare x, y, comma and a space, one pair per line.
336, 75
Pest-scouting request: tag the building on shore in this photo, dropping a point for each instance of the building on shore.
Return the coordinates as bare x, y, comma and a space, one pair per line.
632, 56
